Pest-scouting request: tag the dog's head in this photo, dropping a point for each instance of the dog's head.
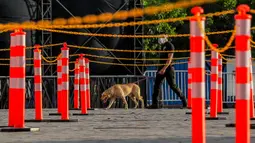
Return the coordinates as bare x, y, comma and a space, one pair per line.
105, 96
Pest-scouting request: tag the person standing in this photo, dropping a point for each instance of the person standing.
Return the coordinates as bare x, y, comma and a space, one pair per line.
166, 71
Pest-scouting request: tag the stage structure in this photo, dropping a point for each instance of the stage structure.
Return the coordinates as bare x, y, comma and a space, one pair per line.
138, 42
35, 10
50, 9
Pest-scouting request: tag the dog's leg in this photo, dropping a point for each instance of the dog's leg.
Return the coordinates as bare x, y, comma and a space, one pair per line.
124, 101
135, 101
111, 102
141, 99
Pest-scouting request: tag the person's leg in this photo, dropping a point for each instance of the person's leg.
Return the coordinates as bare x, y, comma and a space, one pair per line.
157, 84
170, 77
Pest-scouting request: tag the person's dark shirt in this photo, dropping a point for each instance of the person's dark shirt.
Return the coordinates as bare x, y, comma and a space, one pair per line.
168, 46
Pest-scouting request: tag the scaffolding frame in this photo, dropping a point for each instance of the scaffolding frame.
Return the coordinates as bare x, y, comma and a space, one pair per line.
86, 30
42, 10
138, 42
46, 37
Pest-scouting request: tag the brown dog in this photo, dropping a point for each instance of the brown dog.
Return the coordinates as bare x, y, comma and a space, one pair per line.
121, 91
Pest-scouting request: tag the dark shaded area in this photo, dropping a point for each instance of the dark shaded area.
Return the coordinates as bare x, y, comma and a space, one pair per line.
18, 11
13, 11
82, 8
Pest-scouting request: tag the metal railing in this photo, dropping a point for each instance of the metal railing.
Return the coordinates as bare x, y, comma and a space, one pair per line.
49, 84
168, 97
99, 83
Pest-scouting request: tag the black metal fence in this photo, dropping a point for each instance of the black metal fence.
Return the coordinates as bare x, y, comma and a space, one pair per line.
49, 84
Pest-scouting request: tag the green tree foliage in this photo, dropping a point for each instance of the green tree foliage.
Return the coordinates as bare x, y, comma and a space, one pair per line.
220, 23
169, 28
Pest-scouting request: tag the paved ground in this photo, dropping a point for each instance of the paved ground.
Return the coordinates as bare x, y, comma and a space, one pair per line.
119, 125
